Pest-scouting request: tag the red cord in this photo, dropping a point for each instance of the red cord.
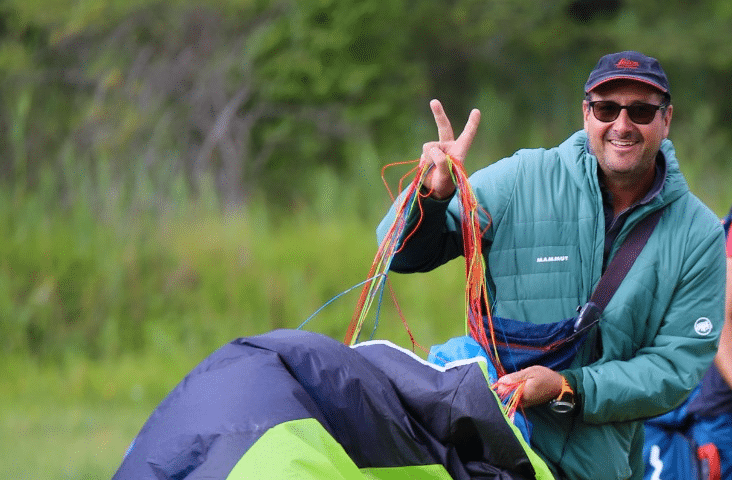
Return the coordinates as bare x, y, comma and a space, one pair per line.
476, 293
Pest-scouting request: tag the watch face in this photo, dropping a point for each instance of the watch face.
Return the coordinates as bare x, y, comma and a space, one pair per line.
561, 406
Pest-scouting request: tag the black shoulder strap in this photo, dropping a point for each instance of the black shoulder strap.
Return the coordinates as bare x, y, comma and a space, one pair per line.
624, 259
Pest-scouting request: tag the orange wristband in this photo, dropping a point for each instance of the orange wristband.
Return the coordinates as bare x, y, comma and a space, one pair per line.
564, 403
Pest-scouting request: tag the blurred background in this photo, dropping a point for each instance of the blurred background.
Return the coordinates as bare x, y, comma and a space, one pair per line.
176, 174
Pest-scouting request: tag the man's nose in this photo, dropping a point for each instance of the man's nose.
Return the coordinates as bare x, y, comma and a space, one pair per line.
623, 122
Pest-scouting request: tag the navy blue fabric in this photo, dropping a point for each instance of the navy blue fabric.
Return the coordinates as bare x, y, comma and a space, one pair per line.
669, 454
384, 406
465, 347
715, 397
716, 430
522, 344
669, 449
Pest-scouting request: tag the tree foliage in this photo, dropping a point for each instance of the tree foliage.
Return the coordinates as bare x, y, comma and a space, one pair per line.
260, 94
113, 114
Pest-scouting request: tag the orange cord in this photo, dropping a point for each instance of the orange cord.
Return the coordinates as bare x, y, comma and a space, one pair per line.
476, 293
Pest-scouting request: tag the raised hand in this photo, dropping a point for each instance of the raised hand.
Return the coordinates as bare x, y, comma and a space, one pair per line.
439, 181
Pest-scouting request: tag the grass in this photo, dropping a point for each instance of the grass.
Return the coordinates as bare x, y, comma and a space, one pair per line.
74, 421
102, 318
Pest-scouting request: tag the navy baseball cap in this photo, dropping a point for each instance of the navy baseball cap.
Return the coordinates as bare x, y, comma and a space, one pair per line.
628, 65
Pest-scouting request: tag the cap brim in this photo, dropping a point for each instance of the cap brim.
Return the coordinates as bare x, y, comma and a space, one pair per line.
625, 77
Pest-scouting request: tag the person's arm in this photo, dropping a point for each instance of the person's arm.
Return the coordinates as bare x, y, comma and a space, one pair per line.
723, 359
664, 372
621, 390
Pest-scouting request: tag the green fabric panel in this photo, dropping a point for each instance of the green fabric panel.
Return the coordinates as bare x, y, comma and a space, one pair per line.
300, 449
303, 449
424, 472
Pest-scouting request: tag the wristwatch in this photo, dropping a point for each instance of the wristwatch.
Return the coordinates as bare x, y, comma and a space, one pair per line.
564, 403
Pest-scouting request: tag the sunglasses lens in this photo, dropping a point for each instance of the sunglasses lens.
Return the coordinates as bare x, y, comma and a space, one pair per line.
606, 111
640, 113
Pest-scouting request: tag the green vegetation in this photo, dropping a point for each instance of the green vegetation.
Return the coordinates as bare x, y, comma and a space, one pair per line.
174, 175
105, 313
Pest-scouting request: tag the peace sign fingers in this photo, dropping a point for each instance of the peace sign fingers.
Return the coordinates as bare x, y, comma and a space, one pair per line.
444, 129
439, 181
458, 149
465, 140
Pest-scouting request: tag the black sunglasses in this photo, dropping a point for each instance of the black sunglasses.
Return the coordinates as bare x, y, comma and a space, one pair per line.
640, 113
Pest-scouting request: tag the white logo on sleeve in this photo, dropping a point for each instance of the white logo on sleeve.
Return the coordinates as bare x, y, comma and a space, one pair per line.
703, 326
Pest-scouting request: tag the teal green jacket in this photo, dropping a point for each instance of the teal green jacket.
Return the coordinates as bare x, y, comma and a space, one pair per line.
544, 256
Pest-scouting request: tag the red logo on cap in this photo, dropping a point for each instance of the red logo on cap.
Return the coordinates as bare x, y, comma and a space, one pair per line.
625, 63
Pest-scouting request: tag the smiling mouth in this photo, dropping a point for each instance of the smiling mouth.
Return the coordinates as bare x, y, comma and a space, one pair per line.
623, 143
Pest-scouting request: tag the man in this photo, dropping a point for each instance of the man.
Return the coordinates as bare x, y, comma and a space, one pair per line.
575, 204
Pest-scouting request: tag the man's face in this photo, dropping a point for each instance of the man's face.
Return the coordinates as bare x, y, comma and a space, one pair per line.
626, 151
